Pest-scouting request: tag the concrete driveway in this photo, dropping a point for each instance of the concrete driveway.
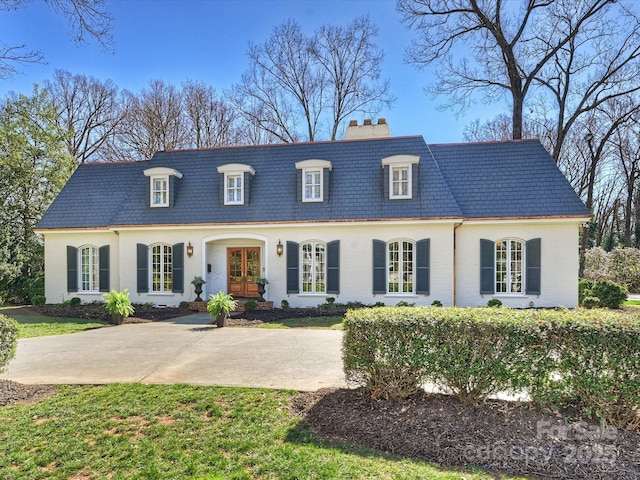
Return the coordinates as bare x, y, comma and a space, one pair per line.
183, 351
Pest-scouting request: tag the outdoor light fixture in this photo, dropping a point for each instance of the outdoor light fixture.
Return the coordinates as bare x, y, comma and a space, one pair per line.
279, 248
189, 249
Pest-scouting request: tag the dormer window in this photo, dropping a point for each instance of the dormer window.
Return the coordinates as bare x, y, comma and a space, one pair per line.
314, 179
236, 182
400, 176
162, 185
312, 188
160, 191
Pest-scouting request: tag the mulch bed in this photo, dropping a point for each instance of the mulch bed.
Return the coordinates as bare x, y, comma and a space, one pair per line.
501, 437
12, 393
96, 311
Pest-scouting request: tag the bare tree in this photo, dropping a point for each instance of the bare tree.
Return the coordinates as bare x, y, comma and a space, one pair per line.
153, 121
211, 121
87, 18
626, 145
351, 62
495, 49
295, 85
88, 112
282, 81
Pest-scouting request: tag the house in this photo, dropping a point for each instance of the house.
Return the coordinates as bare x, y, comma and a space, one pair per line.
371, 218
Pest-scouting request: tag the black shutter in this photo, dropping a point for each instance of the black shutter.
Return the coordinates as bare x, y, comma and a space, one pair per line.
423, 254
72, 269
247, 184
487, 267
415, 181
299, 191
177, 267
326, 174
293, 259
385, 182
223, 192
534, 260
142, 265
333, 267
172, 185
103, 265
379, 267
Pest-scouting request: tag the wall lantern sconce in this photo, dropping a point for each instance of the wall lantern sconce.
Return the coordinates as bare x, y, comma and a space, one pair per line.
279, 248
189, 250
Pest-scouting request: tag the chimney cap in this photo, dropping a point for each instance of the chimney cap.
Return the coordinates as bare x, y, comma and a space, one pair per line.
353, 123
382, 121
367, 121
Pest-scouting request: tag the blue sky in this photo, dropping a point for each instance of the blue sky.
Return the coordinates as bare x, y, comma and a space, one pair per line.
207, 40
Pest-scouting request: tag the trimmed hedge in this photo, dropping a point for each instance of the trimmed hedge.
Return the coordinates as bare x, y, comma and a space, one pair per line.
8, 340
588, 359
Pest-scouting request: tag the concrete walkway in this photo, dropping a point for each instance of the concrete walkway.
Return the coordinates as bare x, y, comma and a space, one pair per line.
184, 350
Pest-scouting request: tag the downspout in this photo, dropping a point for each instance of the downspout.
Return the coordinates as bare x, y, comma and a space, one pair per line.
455, 267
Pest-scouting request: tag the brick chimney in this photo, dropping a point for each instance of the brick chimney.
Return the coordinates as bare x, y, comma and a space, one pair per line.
367, 129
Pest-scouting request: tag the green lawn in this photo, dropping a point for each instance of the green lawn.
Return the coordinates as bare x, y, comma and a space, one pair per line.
182, 431
333, 323
34, 325
632, 303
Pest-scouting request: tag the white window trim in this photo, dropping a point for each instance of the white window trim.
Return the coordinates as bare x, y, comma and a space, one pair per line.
152, 201
395, 161
409, 195
229, 169
523, 268
412, 293
313, 292
226, 188
305, 171
313, 165
95, 265
162, 291
157, 173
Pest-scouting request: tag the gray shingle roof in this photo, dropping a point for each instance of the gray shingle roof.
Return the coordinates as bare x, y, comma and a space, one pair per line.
513, 179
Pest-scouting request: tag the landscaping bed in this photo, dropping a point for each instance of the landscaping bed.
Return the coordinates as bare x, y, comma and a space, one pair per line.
96, 311
499, 436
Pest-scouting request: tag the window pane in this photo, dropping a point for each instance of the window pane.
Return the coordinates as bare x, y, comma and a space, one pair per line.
313, 267
312, 184
161, 268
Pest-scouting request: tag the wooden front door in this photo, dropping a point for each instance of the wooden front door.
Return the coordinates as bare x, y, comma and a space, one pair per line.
243, 269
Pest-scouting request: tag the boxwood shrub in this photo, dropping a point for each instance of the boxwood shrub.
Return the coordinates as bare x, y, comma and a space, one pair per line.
584, 358
8, 340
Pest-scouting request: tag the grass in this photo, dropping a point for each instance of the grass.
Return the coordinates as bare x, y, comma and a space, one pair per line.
632, 303
181, 431
35, 325
332, 323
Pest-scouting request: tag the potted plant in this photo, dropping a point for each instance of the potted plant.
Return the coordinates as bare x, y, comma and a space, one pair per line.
220, 306
261, 282
118, 305
198, 282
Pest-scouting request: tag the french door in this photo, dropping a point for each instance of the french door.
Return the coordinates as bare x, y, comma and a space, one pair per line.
243, 268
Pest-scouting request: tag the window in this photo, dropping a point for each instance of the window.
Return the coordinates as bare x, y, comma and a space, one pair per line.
162, 180
161, 268
400, 267
237, 183
400, 176
314, 267
233, 189
89, 269
509, 256
312, 185
313, 180
400, 181
160, 191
